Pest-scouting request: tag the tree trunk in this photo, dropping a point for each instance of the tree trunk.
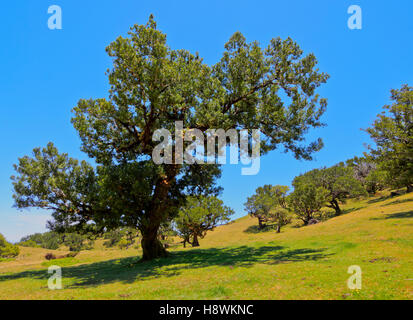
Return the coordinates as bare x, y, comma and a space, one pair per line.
186, 239
336, 207
195, 242
278, 229
261, 225
151, 246
307, 218
409, 188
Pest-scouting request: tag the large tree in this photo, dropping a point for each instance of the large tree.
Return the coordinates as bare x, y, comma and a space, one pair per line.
151, 87
200, 215
392, 133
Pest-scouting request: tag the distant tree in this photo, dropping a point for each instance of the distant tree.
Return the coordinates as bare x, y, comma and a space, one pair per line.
370, 175
361, 167
200, 215
53, 240
185, 233
131, 235
123, 244
392, 133
47, 240
280, 216
7, 250
183, 230
307, 200
112, 237
338, 180
77, 242
29, 243
256, 211
376, 180
73, 241
268, 204
166, 232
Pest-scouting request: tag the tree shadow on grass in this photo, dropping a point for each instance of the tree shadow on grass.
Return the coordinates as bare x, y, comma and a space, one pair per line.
128, 270
349, 210
256, 229
382, 198
396, 202
398, 215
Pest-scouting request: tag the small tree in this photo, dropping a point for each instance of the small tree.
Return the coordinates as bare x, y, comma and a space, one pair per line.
268, 204
392, 133
200, 215
183, 230
77, 242
307, 200
368, 173
280, 216
123, 244
165, 233
51, 240
131, 234
112, 238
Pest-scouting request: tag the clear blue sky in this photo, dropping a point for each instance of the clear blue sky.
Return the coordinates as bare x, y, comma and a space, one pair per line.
45, 72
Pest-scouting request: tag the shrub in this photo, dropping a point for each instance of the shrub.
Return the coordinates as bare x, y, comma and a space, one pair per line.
112, 238
7, 250
50, 256
123, 244
29, 243
197, 217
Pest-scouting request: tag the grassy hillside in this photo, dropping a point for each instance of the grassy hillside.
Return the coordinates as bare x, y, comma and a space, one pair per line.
237, 262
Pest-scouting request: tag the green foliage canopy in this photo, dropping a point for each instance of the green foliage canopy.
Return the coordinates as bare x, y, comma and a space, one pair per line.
392, 133
151, 87
338, 180
268, 204
307, 200
200, 215
370, 175
7, 250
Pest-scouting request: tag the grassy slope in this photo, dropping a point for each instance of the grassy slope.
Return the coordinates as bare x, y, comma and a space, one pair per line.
299, 263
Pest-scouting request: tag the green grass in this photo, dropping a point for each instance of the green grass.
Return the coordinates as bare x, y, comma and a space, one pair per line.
64, 262
238, 262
